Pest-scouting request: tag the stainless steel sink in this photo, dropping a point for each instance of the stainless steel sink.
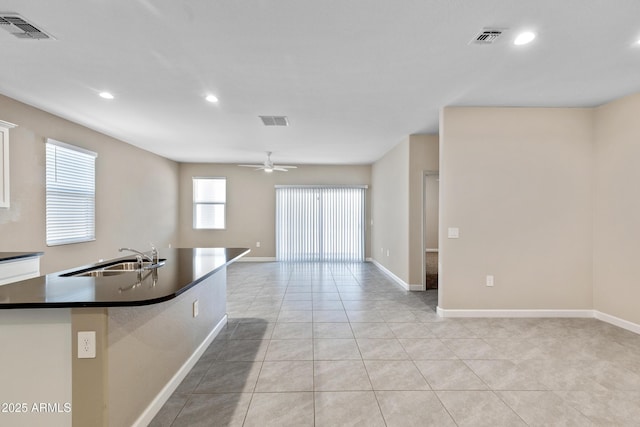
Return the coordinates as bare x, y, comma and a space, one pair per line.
127, 266
115, 269
99, 273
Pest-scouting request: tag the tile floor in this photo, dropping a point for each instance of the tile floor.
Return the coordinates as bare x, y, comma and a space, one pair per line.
342, 345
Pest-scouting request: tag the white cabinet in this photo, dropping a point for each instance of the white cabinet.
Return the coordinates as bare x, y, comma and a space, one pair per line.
4, 163
19, 269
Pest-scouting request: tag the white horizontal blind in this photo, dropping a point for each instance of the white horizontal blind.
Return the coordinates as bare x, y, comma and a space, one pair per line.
70, 194
320, 223
209, 201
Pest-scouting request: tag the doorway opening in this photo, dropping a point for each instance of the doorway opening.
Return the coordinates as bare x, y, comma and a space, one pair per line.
430, 223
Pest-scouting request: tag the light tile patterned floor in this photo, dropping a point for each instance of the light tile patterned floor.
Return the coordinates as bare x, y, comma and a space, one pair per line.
343, 345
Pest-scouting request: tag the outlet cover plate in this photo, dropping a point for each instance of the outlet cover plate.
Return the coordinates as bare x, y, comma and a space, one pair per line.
86, 344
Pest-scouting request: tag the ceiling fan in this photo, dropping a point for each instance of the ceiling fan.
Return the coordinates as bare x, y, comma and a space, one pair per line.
268, 165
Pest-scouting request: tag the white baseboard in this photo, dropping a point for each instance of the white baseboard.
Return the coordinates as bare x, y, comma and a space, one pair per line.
398, 280
256, 259
513, 313
156, 404
616, 321
613, 320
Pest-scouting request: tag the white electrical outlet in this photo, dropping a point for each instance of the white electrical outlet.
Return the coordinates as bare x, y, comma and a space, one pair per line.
195, 308
257, 244
453, 232
489, 280
387, 252
86, 344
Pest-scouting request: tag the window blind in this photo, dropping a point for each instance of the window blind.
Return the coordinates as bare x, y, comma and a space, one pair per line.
320, 223
70, 193
209, 201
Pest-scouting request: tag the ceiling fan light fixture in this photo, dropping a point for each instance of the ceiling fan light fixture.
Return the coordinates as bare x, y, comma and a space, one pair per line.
269, 167
211, 98
106, 95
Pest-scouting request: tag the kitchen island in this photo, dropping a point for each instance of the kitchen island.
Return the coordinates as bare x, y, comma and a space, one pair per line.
150, 326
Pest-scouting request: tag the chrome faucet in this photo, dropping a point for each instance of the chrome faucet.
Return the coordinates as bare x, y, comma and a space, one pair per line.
154, 258
140, 254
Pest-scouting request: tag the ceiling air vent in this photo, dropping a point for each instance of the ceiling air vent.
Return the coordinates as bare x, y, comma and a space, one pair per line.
488, 36
21, 28
274, 120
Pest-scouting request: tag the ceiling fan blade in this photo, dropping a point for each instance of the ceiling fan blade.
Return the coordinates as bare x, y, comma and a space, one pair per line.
268, 165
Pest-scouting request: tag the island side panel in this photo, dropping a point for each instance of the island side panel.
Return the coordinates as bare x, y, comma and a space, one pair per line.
90, 375
35, 379
147, 345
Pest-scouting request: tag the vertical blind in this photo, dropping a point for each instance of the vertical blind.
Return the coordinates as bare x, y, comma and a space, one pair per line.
320, 223
70, 194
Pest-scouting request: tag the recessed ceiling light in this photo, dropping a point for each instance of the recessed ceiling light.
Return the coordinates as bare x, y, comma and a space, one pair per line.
524, 38
106, 95
211, 98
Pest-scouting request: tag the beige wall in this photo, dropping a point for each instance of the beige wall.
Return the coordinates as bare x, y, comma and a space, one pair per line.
251, 202
136, 191
398, 197
390, 210
617, 209
518, 184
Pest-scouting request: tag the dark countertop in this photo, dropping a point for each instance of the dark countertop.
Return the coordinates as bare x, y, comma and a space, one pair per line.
183, 269
15, 256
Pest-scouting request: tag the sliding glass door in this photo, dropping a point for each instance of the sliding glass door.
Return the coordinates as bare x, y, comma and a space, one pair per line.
320, 223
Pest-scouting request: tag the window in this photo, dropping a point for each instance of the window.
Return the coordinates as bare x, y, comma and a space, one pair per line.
320, 223
71, 194
209, 202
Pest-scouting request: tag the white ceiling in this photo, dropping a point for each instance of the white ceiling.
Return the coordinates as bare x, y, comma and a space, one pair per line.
354, 77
